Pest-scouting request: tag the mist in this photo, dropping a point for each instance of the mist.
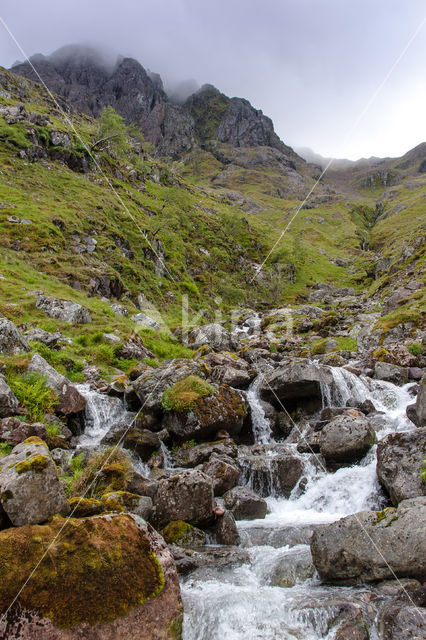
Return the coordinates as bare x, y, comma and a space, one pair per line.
311, 65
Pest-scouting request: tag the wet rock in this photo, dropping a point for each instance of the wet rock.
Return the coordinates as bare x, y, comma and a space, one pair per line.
403, 618
187, 496
245, 504
417, 412
295, 380
346, 438
189, 560
70, 399
399, 464
264, 534
63, 310
141, 441
293, 566
224, 473
8, 401
353, 628
225, 408
183, 534
371, 546
415, 373
365, 406
214, 335
390, 373
12, 342
151, 384
193, 456
225, 530
30, 490
103, 569
272, 475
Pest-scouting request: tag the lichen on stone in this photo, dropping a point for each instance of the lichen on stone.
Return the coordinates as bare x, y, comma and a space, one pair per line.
35, 463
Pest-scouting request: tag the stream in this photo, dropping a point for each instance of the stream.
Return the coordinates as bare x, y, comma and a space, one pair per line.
277, 595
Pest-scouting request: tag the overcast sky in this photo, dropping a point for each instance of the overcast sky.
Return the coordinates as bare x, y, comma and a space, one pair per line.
311, 65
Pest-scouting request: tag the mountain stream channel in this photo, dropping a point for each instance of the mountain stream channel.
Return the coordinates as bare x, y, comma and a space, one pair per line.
275, 593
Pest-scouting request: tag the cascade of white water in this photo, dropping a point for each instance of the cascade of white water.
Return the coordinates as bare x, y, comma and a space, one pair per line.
167, 458
261, 428
101, 413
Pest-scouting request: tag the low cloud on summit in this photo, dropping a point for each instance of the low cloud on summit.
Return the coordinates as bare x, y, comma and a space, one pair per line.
311, 65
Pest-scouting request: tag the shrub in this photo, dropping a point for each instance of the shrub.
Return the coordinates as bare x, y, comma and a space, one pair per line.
5, 449
32, 392
415, 348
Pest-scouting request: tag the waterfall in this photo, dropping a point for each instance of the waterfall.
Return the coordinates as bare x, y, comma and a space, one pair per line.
167, 458
100, 414
260, 424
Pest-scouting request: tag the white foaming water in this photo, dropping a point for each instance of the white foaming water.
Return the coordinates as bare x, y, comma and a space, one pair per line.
101, 413
167, 458
261, 428
239, 603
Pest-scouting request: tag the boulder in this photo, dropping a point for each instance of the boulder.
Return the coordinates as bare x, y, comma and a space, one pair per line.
417, 412
70, 399
225, 408
224, 474
8, 401
227, 368
298, 379
371, 546
145, 321
151, 384
245, 504
193, 456
30, 490
390, 373
15, 431
399, 464
39, 335
293, 566
347, 437
109, 576
403, 618
214, 335
141, 441
63, 310
12, 341
119, 310
267, 475
125, 501
187, 496
183, 534
226, 531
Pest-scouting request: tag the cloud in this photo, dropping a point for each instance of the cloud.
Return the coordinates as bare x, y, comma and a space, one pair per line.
311, 65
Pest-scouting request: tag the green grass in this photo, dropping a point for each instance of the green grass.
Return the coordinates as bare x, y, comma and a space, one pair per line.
33, 394
184, 395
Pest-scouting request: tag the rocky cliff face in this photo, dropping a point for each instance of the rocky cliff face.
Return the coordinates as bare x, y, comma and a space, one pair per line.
86, 81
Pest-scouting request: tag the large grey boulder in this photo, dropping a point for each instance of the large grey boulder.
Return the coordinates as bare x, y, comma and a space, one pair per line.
142, 441
225, 408
417, 412
371, 546
214, 335
391, 373
12, 341
30, 490
245, 504
224, 473
226, 531
347, 437
63, 310
295, 380
278, 474
8, 401
399, 464
187, 496
193, 456
145, 321
14, 431
404, 617
227, 368
151, 384
70, 399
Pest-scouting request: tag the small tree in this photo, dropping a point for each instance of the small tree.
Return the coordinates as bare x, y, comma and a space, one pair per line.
113, 132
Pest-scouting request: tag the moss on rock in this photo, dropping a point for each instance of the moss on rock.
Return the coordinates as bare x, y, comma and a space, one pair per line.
184, 395
35, 463
83, 507
175, 530
97, 569
107, 471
